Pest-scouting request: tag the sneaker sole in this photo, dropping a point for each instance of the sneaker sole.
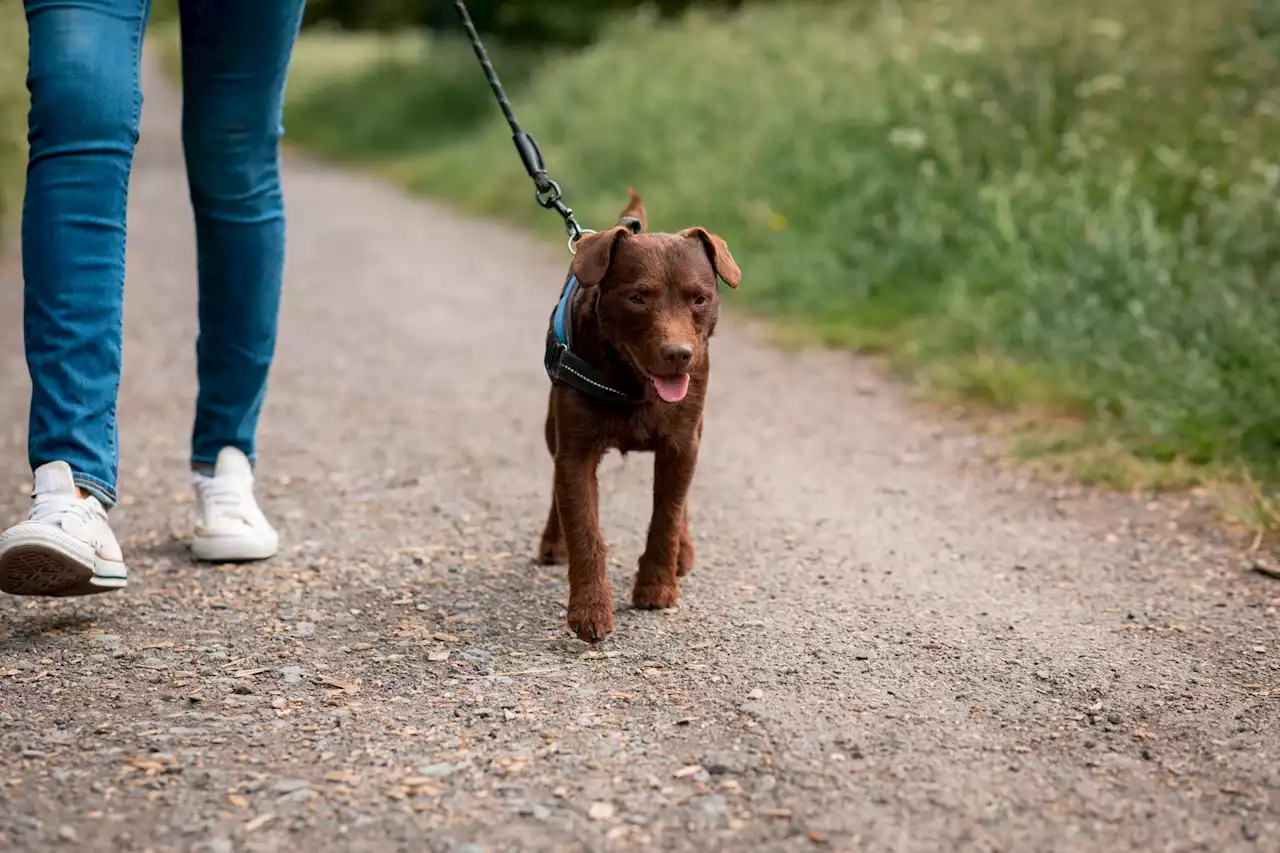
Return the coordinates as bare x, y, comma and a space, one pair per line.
42, 569
234, 549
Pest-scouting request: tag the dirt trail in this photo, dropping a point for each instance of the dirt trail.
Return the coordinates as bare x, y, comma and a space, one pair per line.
887, 645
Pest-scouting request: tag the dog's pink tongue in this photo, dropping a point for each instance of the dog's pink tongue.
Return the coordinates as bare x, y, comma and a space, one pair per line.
672, 390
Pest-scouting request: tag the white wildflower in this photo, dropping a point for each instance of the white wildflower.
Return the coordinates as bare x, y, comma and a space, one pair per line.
1108, 28
1100, 85
911, 138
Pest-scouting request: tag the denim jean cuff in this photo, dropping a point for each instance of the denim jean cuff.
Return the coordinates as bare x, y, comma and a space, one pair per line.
207, 466
105, 494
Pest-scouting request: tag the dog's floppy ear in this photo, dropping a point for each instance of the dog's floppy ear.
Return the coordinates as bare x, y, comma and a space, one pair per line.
635, 209
721, 261
594, 251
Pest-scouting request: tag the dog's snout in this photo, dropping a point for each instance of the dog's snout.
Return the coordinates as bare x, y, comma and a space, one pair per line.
677, 356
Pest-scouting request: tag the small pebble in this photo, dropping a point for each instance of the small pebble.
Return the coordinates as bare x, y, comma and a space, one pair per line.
724, 764
288, 786
440, 770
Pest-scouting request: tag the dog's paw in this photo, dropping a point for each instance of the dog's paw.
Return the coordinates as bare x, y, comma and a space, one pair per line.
684, 562
591, 617
552, 552
655, 596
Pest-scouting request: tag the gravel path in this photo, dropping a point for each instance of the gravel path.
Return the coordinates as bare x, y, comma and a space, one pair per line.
888, 644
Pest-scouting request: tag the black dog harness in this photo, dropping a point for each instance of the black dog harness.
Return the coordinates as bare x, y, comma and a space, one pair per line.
566, 367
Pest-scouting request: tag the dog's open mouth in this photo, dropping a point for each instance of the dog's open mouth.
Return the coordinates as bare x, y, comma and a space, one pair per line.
671, 388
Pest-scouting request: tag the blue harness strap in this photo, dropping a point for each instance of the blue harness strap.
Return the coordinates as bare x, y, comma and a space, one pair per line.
562, 319
564, 366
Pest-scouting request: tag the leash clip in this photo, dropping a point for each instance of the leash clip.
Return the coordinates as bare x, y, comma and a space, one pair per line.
547, 191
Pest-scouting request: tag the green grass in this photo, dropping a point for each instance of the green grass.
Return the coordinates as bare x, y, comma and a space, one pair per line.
401, 105
13, 114
1021, 203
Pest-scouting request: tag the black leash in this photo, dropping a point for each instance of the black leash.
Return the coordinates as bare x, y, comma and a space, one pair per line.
547, 191
563, 365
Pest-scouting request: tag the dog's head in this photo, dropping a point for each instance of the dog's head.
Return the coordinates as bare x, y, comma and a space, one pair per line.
657, 297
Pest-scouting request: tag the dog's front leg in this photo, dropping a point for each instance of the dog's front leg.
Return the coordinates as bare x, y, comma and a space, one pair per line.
672, 473
590, 602
552, 550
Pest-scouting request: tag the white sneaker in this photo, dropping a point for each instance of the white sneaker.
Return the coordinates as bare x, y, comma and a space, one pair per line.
231, 528
65, 547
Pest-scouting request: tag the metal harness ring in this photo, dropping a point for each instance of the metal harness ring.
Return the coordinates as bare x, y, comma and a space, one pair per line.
574, 238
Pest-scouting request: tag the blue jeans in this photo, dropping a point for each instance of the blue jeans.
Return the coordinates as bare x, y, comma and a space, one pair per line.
85, 104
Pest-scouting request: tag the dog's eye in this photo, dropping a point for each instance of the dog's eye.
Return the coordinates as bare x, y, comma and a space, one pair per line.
701, 300
637, 299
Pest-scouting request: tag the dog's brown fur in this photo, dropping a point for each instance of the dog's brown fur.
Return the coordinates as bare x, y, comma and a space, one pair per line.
645, 298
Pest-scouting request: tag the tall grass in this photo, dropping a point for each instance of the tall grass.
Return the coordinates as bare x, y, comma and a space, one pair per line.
1071, 204
13, 113
417, 95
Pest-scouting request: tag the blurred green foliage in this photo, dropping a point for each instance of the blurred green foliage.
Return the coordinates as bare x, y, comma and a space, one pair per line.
13, 113
544, 22
163, 11
1024, 201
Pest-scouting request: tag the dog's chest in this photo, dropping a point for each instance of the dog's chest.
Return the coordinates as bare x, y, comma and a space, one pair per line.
636, 432
648, 427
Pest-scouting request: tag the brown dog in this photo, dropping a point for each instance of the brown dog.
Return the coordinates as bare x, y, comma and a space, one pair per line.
644, 310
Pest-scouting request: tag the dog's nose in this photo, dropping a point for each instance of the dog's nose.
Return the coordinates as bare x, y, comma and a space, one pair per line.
677, 355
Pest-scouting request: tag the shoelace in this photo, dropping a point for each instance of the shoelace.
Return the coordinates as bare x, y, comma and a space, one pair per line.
50, 510
223, 495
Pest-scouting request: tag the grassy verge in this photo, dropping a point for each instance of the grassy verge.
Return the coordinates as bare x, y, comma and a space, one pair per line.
13, 114
1066, 209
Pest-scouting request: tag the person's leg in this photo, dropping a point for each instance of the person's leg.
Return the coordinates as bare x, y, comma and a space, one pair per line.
85, 104
235, 57
83, 124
